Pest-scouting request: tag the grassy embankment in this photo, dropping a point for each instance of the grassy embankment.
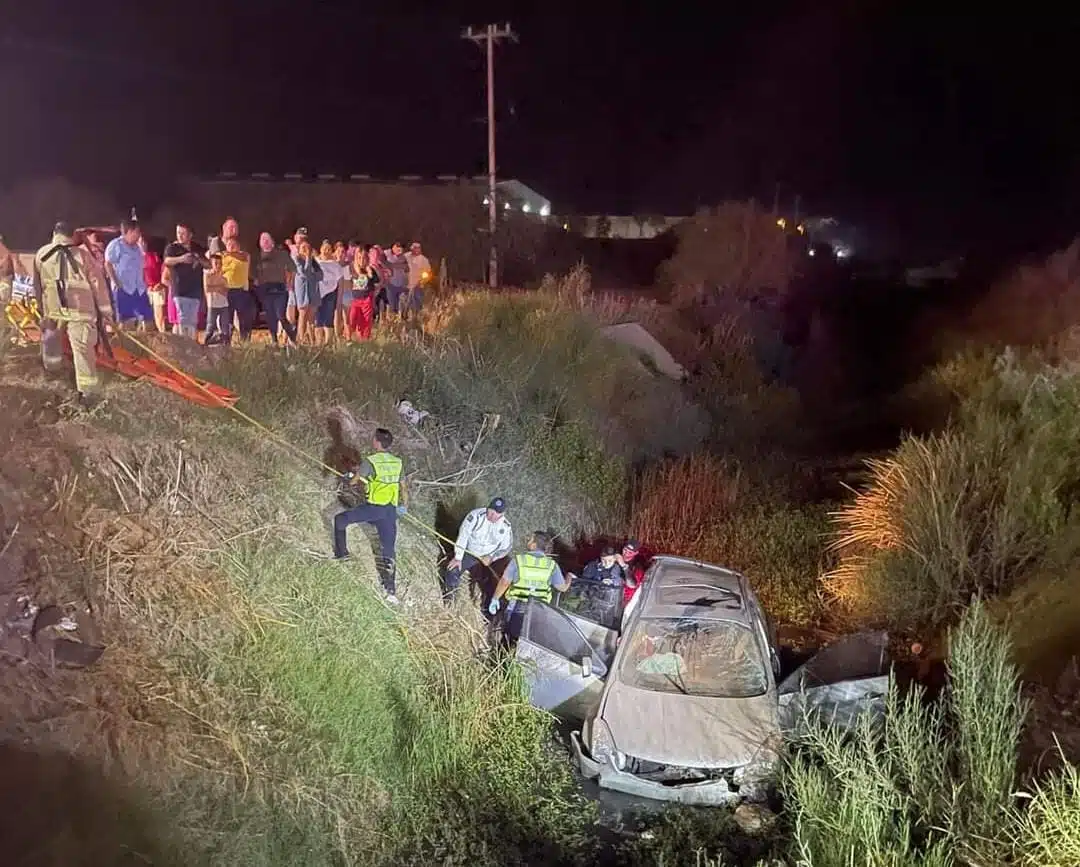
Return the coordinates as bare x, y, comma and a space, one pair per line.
983, 508
307, 722
284, 715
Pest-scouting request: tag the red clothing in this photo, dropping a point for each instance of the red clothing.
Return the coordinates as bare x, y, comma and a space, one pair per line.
361, 312
152, 265
636, 569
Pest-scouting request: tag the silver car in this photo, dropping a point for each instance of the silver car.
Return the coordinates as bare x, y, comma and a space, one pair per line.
678, 694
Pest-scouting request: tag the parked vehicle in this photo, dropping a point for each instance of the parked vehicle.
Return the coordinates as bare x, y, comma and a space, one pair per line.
678, 694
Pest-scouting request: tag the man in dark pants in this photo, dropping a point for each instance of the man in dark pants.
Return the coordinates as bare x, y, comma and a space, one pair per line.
381, 475
485, 536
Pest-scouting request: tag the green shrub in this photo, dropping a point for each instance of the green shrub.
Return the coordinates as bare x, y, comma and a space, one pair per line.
781, 550
932, 785
1049, 835
965, 511
572, 454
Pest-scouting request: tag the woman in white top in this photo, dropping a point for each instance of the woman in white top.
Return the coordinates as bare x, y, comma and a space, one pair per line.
329, 286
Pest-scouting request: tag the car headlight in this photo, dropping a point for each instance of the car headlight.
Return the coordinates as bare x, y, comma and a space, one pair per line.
602, 745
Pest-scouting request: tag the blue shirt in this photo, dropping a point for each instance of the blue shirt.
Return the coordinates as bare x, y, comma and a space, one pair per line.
127, 260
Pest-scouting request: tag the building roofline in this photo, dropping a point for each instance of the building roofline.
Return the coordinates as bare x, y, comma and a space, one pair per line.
337, 177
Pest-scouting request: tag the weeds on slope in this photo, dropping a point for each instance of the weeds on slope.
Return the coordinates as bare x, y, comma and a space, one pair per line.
1049, 833
383, 742
352, 736
936, 782
933, 785
968, 510
703, 507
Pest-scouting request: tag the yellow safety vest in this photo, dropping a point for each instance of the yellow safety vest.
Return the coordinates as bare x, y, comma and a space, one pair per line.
534, 577
384, 488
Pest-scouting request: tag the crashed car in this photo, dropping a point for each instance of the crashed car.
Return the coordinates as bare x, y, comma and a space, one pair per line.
678, 694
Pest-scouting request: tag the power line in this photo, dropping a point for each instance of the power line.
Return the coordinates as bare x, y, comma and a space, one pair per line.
489, 37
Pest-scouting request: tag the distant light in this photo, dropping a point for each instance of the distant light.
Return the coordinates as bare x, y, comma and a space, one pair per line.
842, 252
801, 229
566, 226
506, 206
526, 208
782, 223
545, 211
487, 201
812, 251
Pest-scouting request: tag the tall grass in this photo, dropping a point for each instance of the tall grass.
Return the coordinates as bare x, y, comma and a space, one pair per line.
1049, 834
340, 728
360, 738
933, 784
704, 507
968, 510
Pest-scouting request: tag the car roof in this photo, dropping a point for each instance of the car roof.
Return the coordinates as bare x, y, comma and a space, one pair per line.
680, 588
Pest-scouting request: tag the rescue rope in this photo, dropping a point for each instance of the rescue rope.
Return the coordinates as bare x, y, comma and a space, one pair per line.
32, 314
280, 440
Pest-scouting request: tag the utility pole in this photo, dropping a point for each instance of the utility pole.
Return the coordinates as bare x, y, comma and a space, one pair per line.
488, 37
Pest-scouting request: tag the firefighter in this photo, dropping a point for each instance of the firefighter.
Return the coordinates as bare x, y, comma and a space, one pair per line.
74, 298
380, 473
532, 575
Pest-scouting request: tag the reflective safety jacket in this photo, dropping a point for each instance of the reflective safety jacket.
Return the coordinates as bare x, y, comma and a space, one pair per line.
534, 573
69, 282
384, 488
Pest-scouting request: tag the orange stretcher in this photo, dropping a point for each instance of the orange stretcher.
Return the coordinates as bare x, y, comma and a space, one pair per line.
112, 356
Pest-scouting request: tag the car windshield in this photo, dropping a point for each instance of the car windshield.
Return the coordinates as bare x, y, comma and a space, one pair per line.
716, 659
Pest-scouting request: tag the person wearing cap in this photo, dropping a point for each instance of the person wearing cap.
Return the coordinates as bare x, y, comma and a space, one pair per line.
485, 535
532, 575
633, 564
74, 297
606, 569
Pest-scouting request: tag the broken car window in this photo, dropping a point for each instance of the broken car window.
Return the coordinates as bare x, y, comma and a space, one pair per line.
719, 659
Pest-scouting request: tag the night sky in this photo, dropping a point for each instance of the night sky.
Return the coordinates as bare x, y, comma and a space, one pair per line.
926, 125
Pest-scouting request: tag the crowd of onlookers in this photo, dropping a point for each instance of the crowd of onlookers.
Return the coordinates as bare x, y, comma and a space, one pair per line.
306, 294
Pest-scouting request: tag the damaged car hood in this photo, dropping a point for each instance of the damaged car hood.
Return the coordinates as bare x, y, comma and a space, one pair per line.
689, 731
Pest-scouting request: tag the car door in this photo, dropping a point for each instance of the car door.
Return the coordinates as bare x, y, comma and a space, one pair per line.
838, 684
596, 609
561, 668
